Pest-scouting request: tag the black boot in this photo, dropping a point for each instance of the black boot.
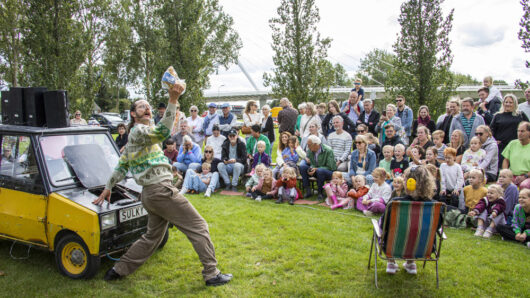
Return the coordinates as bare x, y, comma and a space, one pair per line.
291, 200
308, 193
279, 200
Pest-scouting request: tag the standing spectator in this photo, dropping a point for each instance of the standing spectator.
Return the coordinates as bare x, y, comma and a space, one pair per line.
525, 106
210, 120
445, 126
301, 113
313, 131
195, 123
467, 121
77, 120
254, 138
234, 159
321, 109
504, 123
267, 126
327, 123
180, 116
310, 115
286, 117
487, 109
251, 116
189, 156
362, 160
161, 110
319, 163
517, 156
424, 119
340, 142
441, 118
494, 91
121, 139
216, 140
227, 120
185, 130
353, 107
405, 114
490, 163
369, 116
388, 117
357, 88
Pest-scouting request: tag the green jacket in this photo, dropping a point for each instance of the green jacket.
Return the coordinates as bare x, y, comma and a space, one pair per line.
252, 147
326, 158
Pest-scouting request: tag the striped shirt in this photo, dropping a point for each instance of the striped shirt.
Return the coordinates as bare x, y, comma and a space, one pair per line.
341, 145
468, 124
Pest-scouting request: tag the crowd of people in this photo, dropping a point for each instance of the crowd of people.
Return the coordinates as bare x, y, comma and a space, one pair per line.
358, 157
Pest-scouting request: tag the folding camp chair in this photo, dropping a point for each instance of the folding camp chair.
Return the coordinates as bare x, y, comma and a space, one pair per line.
409, 233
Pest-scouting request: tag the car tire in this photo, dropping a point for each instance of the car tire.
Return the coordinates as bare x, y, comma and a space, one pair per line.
164, 240
73, 258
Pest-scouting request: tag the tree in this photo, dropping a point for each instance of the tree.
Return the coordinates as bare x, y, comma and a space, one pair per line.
12, 21
376, 66
465, 79
524, 36
341, 77
423, 55
301, 72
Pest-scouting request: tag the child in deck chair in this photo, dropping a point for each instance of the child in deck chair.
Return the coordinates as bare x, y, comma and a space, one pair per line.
423, 190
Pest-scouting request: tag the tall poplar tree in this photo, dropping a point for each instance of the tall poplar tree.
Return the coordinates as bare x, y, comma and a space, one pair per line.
423, 55
524, 36
301, 70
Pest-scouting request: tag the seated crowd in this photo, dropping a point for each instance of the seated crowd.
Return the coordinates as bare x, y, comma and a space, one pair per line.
358, 158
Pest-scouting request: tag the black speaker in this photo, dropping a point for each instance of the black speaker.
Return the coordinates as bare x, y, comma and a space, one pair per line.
15, 108
56, 107
5, 104
34, 113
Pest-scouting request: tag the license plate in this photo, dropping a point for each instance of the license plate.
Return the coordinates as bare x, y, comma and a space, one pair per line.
132, 213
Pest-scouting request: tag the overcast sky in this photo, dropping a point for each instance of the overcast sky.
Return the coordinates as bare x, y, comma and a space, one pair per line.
484, 37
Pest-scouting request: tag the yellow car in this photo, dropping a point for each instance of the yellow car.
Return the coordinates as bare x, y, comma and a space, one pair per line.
48, 180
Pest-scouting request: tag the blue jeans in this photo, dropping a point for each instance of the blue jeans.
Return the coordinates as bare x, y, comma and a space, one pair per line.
321, 174
234, 169
184, 167
191, 176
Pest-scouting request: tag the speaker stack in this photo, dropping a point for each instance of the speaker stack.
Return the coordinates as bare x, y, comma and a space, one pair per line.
35, 106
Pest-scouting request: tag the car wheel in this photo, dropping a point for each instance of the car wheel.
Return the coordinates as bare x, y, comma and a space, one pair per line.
74, 259
164, 240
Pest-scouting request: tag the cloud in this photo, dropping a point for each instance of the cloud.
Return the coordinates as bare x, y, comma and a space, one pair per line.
480, 35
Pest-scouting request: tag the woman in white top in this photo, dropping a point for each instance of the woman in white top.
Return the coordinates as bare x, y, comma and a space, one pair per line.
251, 115
195, 123
77, 120
309, 116
314, 128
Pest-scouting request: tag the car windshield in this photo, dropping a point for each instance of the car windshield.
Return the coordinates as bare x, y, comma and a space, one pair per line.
113, 118
53, 150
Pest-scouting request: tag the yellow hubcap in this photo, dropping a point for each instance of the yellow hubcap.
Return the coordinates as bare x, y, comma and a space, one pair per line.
74, 258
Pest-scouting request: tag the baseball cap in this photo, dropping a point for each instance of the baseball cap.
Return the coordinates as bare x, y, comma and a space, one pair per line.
161, 105
232, 132
212, 105
225, 105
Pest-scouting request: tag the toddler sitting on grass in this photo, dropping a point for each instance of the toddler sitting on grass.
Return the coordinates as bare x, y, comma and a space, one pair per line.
266, 188
490, 211
336, 190
254, 179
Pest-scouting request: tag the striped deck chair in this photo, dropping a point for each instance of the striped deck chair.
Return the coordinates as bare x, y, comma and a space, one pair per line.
409, 233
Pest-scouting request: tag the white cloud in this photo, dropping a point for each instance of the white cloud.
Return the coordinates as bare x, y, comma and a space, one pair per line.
480, 35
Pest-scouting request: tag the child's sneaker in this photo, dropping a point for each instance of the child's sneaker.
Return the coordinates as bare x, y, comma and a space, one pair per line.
488, 233
258, 199
208, 192
391, 268
479, 232
528, 244
410, 268
248, 195
370, 213
183, 191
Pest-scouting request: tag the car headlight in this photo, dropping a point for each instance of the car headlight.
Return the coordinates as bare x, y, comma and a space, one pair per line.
108, 220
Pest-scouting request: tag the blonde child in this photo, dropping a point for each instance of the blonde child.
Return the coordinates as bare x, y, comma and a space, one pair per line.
373, 143
266, 188
489, 211
399, 163
286, 185
378, 195
261, 157
254, 179
475, 190
511, 193
399, 187
359, 189
473, 156
388, 153
336, 190
519, 230
438, 140
452, 181
196, 183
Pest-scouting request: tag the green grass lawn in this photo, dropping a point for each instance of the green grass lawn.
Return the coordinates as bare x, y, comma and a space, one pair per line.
283, 250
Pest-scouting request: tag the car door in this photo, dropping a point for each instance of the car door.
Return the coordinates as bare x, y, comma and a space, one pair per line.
22, 196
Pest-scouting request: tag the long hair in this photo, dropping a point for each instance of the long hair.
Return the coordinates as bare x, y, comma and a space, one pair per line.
281, 145
515, 111
133, 119
425, 184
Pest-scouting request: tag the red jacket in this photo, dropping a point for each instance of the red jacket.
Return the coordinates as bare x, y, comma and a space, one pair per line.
359, 193
289, 184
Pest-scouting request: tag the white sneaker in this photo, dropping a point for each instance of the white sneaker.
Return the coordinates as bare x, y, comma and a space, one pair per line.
410, 268
487, 233
391, 268
258, 199
370, 213
479, 232
528, 244
208, 192
183, 191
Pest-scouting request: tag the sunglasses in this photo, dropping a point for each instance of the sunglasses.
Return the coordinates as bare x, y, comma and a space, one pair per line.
208, 151
360, 130
78, 114
194, 110
358, 143
399, 100
479, 134
357, 83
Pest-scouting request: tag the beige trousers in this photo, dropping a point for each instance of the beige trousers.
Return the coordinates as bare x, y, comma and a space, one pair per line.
164, 204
